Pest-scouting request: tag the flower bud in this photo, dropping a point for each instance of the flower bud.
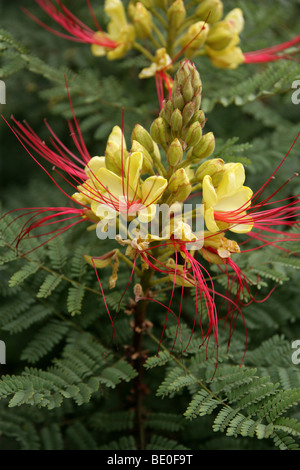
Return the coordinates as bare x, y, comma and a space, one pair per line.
188, 112
175, 153
210, 167
194, 38
159, 131
200, 117
167, 110
210, 11
179, 185
236, 20
193, 135
220, 35
176, 121
147, 160
187, 86
176, 14
115, 151
188, 90
188, 70
197, 98
143, 137
142, 20
177, 98
205, 147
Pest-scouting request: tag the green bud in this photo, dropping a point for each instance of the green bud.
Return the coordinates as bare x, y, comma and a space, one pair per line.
143, 137
210, 167
194, 38
200, 116
183, 73
159, 131
177, 97
156, 153
205, 147
175, 153
197, 98
187, 86
147, 160
210, 10
176, 14
179, 185
188, 112
193, 135
188, 90
176, 121
167, 110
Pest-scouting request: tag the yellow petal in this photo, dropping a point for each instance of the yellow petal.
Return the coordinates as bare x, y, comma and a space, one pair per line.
133, 170
94, 165
152, 189
96, 49
244, 227
241, 228
210, 220
89, 190
101, 261
116, 12
233, 179
241, 199
115, 186
209, 193
146, 214
229, 58
105, 211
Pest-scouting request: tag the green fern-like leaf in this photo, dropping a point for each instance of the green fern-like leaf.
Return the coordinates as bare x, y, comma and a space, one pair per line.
75, 299
49, 285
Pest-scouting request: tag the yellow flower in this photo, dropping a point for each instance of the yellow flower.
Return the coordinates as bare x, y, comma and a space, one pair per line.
161, 62
217, 248
230, 57
223, 39
119, 30
225, 205
127, 193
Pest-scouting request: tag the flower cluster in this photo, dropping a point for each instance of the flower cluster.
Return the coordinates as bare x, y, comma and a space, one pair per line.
164, 31
171, 165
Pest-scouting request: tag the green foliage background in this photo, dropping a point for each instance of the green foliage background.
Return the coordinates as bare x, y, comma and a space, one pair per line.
66, 385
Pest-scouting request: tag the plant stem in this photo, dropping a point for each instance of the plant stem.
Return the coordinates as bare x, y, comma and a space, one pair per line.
143, 51
139, 359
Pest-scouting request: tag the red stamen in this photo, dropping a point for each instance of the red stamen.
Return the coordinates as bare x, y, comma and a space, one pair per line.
270, 54
77, 30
